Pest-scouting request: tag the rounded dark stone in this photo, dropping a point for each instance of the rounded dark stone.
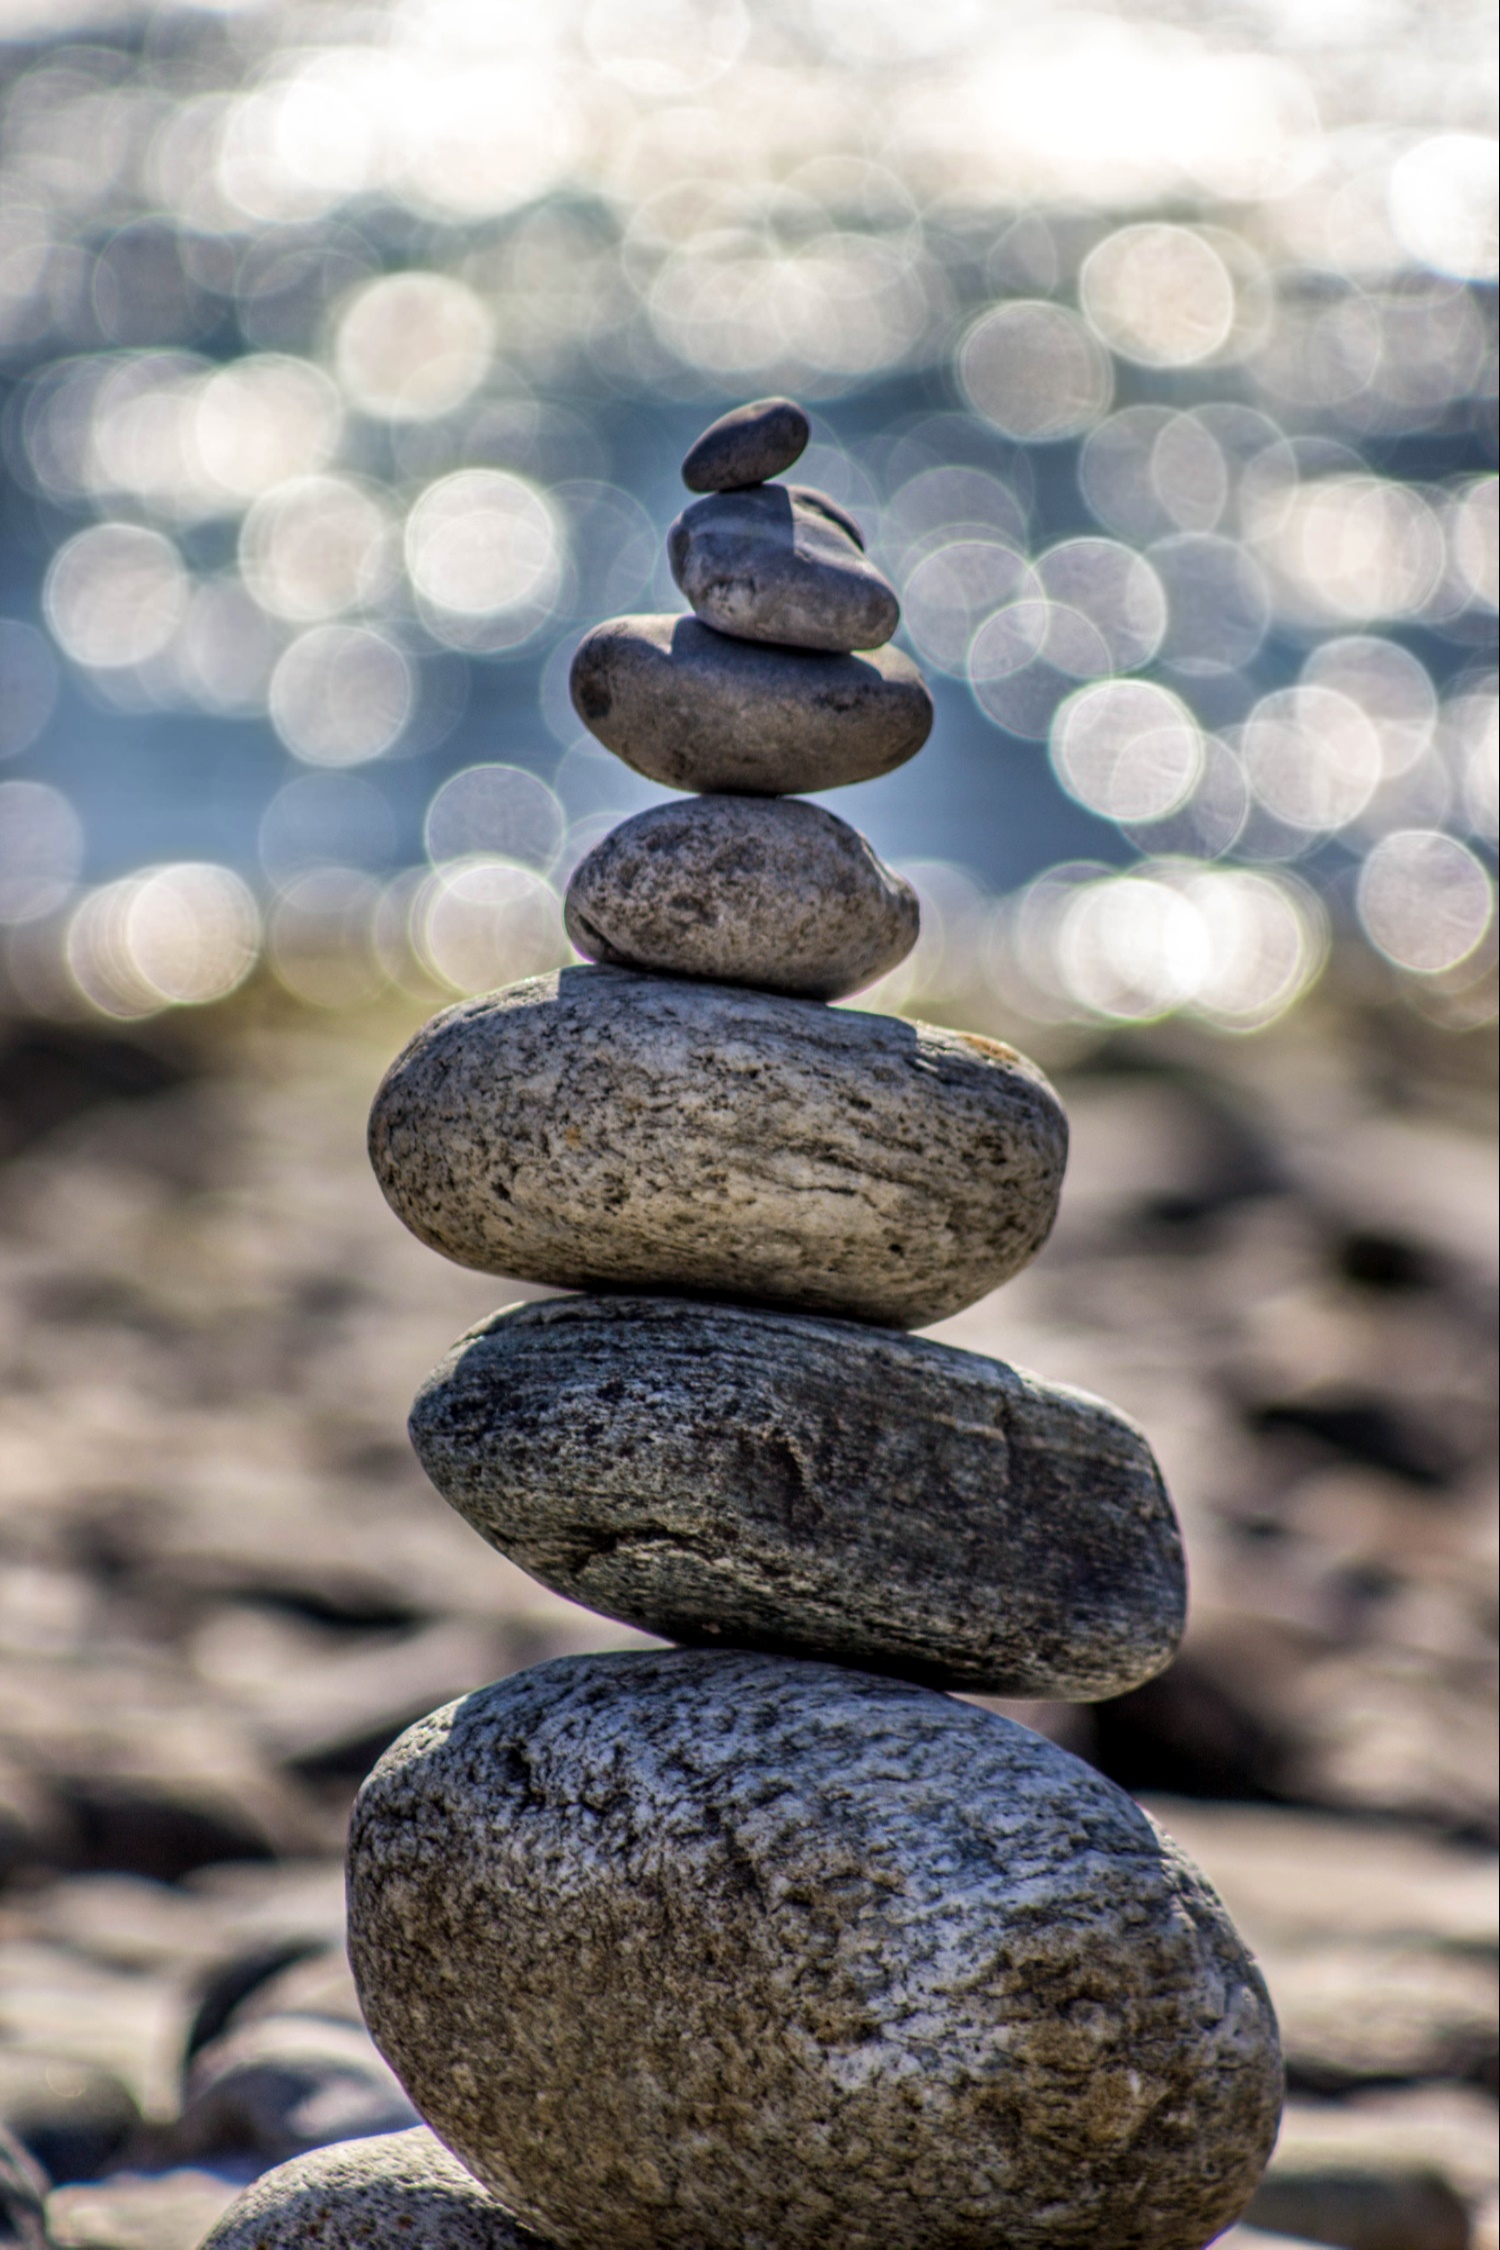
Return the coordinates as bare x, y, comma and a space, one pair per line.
597, 1126
696, 710
684, 1948
712, 1473
781, 563
395, 2189
746, 446
763, 891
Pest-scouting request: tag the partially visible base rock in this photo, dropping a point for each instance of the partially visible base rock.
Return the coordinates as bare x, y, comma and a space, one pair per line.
402, 2191
683, 1949
709, 1472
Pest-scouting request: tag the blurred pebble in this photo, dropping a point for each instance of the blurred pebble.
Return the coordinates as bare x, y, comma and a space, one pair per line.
72, 2117
22, 2188
276, 2088
401, 2187
138, 2211
746, 445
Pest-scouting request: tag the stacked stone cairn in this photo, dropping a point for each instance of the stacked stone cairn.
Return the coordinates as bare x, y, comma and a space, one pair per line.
765, 1941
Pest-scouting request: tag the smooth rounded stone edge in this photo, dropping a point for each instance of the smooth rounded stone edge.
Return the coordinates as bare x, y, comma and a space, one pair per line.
595, 1127
395, 2188
761, 891
718, 1475
747, 445
694, 709
781, 563
774, 1955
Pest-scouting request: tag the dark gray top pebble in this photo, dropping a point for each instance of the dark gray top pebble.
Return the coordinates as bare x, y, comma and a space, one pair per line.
781, 563
746, 446
600, 1127
711, 1473
762, 891
683, 1949
397, 2191
694, 709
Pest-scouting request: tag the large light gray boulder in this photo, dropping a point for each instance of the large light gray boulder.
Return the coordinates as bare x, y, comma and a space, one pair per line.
762, 891
694, 709
711, 1473
685, 1949
595, 1126
401, 2191
781, 562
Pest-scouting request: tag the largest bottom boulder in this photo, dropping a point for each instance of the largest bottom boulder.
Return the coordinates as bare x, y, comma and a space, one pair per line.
689, 1948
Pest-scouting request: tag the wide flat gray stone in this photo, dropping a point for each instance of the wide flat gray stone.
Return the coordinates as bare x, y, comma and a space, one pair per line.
400, 2191
746, 445
763, 891
596, 1126
702, 1948
696, 710
782, 563
711, 1473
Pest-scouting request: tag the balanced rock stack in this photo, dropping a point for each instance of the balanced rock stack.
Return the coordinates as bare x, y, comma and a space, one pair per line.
764, 1941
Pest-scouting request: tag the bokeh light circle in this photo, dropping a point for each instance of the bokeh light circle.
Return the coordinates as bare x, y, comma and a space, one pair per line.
1425, 900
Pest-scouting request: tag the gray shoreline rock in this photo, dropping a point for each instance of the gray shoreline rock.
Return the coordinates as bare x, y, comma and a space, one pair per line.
758, 1479
746, 445
681, 1949
595, 1126
782, 563
694, 709
762, 891
396, 2191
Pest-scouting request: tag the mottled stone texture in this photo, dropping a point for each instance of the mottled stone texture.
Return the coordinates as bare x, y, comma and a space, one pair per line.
746, 445
400, 2191
719, 1949
808, 1486
595, 1126
781, 563
743, 890
695, 710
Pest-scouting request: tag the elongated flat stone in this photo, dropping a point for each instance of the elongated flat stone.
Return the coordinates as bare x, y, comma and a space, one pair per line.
747, 890
595, 1126
707, 1472
394, 2191
781, 563
716, 1948
697, 710
746, 446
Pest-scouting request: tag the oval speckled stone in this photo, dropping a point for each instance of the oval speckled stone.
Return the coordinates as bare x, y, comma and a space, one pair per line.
708, 1472
763, 891
694, 709
746, 446
392, 2189
597, 1126
683, 1948
781, 563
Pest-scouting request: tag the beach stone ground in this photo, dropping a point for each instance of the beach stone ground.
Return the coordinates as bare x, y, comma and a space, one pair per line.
395, 2191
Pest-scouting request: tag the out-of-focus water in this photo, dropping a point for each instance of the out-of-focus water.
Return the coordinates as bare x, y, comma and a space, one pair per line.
349, 353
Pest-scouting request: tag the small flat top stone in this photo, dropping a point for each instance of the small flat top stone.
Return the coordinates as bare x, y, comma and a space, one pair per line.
764, 891
697, 710
396, 2189
746, 446
779, 562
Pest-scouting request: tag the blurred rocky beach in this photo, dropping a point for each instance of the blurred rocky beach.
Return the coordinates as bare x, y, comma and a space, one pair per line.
227, 1585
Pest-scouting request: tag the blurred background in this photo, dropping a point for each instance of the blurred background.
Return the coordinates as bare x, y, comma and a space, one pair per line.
347, 355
